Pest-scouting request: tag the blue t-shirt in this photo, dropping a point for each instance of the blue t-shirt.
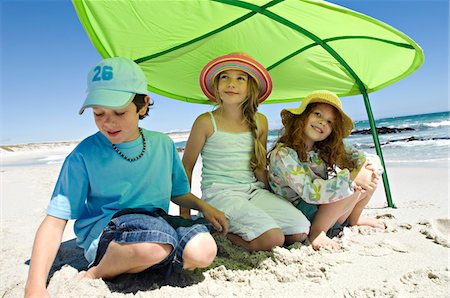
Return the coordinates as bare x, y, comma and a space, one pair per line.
95, 182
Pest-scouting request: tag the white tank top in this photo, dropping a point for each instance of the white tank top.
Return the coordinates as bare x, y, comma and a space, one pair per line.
226, 157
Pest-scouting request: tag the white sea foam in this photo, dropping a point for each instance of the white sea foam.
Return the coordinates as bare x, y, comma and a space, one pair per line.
438, 124
421, 143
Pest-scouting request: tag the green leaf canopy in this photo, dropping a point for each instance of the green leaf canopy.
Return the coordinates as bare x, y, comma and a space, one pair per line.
306, 45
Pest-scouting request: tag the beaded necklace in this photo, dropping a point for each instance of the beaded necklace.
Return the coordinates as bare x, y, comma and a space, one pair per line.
134, 158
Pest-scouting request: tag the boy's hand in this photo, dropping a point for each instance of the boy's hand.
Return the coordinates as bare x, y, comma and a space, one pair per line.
213, 215
216, 218
38, 293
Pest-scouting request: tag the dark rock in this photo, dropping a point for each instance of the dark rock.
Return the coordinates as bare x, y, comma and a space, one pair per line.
382, 130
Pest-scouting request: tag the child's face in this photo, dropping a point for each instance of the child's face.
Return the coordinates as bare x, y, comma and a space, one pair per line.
319, 124
233, 86
118, 125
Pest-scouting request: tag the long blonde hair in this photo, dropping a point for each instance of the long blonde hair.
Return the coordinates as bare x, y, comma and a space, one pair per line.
249, 109
331, 150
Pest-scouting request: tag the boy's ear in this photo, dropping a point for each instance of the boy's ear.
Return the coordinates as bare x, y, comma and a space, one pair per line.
143, 110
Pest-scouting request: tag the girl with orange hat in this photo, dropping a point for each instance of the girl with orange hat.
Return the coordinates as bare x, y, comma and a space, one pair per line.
310, 166
232, 140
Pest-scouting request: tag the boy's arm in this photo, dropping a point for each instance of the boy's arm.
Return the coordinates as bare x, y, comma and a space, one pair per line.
263, 127
197, 138
213, 215
45, 247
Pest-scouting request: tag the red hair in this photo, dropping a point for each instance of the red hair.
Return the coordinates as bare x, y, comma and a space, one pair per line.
331, 150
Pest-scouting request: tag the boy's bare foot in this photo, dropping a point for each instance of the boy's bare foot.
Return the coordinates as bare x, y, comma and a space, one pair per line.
85, 274
322, 240
371, 222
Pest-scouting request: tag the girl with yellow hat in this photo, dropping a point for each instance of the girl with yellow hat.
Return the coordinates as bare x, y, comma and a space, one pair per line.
310, 166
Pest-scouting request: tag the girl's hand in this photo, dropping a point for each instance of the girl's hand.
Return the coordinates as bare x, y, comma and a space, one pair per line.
216, 218
261, 175
358, 188
375, 169
365, 179
372, 167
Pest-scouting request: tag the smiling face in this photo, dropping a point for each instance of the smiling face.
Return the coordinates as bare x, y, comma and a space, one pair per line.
319, 124
118, 125
233, 86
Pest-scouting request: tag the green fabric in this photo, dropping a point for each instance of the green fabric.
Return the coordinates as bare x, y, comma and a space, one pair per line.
306, 45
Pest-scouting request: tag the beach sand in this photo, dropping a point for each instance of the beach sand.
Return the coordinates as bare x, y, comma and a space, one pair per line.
408, 259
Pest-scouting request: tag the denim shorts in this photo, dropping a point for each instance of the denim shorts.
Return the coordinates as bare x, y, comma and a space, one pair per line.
134, 228
310, 211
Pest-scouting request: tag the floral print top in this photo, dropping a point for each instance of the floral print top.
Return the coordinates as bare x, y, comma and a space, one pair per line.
294, 180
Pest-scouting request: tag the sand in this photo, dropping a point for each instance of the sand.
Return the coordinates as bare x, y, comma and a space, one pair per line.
408, 259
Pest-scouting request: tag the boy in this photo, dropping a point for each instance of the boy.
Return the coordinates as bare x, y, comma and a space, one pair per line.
116, 184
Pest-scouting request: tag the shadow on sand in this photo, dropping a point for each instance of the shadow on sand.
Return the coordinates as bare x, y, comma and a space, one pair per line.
229, 255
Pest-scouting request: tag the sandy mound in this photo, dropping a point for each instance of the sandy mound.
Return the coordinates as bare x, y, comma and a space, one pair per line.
438, 230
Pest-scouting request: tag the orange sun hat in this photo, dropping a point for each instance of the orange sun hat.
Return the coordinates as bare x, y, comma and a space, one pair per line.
235, 61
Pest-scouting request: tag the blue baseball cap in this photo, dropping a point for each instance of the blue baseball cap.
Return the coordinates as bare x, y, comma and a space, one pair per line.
113, 82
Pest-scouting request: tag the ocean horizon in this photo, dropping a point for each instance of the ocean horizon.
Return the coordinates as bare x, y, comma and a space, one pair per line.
413, 138
419, 138
426, 137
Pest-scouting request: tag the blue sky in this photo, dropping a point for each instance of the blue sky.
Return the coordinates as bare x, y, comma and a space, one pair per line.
45, 57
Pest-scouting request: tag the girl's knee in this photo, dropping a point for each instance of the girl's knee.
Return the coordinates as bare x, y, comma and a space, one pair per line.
200, 251
300, 237
268, 240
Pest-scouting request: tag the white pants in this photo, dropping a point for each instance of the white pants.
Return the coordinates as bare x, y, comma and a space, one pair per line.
252, 210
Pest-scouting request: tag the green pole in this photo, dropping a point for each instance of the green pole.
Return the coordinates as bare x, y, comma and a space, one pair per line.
376, 141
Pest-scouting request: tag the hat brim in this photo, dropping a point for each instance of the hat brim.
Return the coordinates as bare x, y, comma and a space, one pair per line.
236, 61
111, 99
286, 114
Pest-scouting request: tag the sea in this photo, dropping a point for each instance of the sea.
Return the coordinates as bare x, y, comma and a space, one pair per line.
419, 138
423, 138
415, 138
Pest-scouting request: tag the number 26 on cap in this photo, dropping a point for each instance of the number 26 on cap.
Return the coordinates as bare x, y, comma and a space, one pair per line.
104, 73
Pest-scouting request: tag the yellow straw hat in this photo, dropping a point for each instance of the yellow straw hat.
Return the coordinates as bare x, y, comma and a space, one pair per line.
320, 96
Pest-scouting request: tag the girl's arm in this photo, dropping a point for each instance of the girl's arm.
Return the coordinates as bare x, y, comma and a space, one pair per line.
213, 215
365, 178
363, 159
287, 170
368, 168
263, 127
46, 245
201, 130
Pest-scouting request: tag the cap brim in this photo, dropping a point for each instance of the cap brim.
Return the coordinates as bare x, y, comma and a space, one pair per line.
111, 99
